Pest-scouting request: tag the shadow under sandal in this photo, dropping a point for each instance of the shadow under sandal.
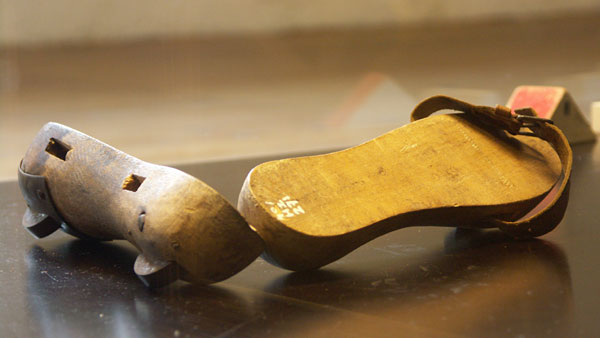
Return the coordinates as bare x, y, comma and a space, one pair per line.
483, 168
183, 228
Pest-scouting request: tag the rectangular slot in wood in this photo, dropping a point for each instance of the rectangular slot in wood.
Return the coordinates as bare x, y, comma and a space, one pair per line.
132, 182
57, 149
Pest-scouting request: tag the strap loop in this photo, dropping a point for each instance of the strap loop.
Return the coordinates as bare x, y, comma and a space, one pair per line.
552, 208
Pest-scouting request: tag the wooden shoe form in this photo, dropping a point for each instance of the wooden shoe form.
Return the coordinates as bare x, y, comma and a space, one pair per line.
183, 228
457, 170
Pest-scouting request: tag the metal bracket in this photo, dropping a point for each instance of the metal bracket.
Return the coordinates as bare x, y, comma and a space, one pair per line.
529, 119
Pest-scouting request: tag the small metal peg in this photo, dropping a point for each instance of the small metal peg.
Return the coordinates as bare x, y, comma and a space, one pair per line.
141, 220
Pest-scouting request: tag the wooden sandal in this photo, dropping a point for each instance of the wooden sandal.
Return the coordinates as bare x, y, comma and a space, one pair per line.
183, 228
463, 170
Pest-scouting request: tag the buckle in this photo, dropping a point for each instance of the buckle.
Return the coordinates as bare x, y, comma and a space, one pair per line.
497, 117
528, 119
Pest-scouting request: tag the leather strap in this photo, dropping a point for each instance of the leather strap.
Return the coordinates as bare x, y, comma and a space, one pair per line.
546, 215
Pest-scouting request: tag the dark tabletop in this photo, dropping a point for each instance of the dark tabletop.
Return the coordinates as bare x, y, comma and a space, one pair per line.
411, 282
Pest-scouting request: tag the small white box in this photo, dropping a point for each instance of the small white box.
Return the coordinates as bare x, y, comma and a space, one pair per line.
596, 117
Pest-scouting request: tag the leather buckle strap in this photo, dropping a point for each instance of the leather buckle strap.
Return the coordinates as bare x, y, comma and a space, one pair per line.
501, 117
497, 117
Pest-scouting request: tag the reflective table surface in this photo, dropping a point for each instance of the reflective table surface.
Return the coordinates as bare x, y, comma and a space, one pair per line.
411, 282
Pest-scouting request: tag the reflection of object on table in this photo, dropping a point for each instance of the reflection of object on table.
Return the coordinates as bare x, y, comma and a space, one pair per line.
481, 284
377, 100
183, 228
79, 288
56, 280
554, 103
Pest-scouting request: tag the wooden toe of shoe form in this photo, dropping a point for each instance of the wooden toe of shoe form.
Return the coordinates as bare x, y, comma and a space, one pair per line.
183, 228
478, 169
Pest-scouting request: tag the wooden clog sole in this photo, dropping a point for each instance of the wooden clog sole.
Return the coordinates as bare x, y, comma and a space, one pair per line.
445, 170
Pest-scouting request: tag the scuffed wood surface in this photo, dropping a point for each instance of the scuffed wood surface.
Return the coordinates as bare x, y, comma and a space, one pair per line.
442, 171
168, 215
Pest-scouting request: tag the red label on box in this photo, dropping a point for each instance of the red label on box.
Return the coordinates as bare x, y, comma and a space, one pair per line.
543, 100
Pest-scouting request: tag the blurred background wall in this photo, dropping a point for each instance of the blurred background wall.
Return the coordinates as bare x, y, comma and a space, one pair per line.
26, 22
180, 81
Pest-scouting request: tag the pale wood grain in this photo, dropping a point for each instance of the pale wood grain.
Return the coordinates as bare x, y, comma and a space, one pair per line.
170, 216
440, 171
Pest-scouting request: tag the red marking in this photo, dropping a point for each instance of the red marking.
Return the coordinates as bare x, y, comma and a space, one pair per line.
543, 100
359, 95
